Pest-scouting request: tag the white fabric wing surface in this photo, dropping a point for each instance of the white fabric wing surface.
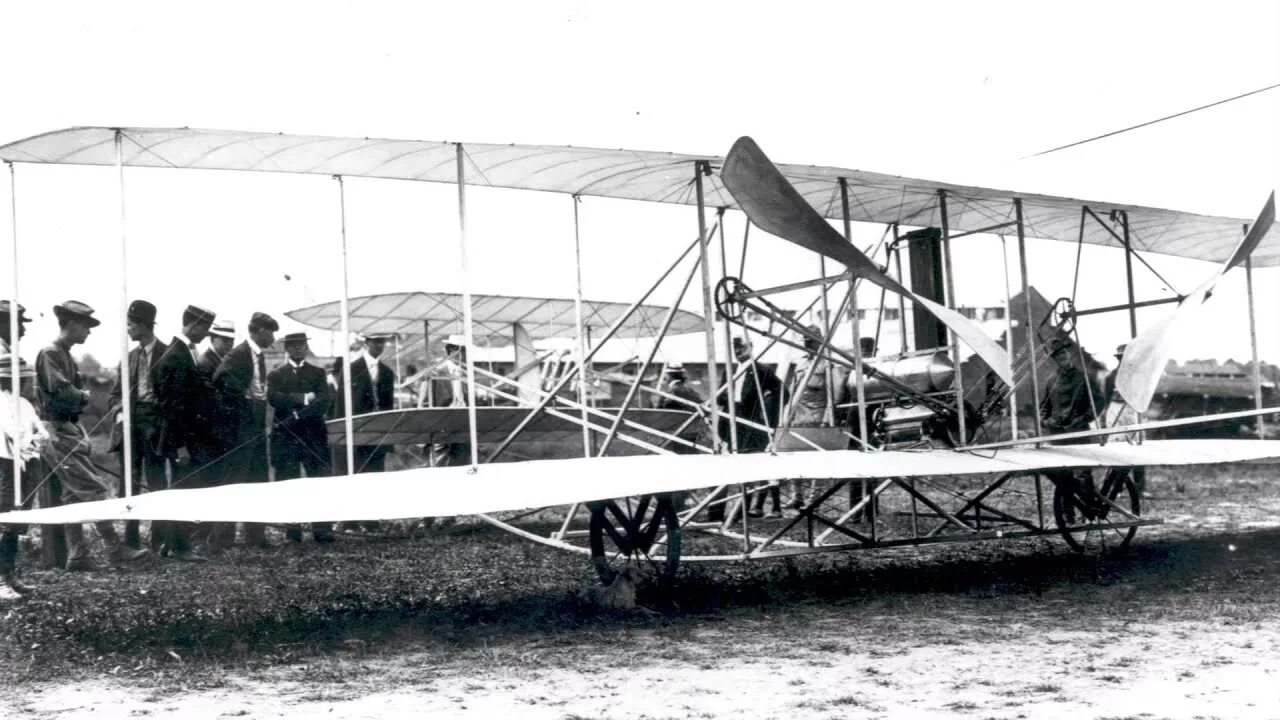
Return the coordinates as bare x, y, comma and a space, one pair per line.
1146, 356
437, 492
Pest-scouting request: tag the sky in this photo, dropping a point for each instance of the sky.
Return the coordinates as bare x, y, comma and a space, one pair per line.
956, 92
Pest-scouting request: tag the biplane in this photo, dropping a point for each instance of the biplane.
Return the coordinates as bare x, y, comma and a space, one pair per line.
939, 442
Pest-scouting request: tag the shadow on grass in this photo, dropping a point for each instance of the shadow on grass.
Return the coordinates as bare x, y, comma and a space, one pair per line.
459, 588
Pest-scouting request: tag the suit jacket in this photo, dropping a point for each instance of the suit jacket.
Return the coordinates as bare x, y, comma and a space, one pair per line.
183, 398
368, 396
230, 386
297, 422
116, 441
758, 400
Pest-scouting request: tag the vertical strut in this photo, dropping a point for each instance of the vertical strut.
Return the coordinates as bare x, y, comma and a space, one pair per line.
125, 381
14, 324
854, 322
1031, 323
1128, 272
345, 310
951, 303
1253, 345
466, 310
699, 167
582, 333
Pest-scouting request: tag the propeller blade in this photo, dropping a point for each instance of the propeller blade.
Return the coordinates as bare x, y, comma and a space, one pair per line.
770, 201
1147, 355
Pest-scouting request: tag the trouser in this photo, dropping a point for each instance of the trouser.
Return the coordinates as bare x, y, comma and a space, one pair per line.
77, 546
209, 460
247, 462
148, 470
290, 455
774, 493
67, 454
8, 533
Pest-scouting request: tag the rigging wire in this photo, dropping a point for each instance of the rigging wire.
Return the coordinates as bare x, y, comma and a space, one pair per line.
1153, 122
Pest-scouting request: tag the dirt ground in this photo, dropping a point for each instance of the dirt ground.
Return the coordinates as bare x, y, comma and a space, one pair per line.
1186, 625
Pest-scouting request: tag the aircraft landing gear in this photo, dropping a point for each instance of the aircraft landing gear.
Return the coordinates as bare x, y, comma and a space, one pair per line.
642, 533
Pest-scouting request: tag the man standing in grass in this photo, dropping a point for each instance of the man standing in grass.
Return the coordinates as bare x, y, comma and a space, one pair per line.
61, 397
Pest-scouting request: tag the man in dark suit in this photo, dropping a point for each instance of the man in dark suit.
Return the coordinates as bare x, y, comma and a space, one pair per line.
240, 383
144, 412
372, 390
299, 394
757, 396
183, 399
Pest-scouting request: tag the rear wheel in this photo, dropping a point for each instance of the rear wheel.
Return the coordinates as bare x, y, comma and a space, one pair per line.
1088, 523
638, 532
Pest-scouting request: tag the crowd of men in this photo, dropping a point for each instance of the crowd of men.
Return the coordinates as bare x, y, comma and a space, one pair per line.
195, 419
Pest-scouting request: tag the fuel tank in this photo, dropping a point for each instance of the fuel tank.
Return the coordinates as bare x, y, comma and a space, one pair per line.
926, 372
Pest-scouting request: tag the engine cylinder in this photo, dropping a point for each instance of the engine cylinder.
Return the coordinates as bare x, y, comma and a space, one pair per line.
925, 373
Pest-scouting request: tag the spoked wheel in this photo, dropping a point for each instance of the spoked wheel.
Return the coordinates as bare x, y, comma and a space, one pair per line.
1086, 523
641, 532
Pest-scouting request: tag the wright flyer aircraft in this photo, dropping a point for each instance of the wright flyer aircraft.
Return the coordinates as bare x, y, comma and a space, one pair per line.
936, 440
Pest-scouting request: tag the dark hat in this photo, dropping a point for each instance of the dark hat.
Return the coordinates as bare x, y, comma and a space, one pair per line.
1120, 349
195, 313
142, 311
78, 310
295, 337
1059, 345
264, 321
6, 367
740, 342
22, 312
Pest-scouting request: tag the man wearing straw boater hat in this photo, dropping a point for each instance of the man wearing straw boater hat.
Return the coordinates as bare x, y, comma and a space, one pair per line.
299, 393
144, 411
22, 437
240, 383
61, 397
209, 448
183, 398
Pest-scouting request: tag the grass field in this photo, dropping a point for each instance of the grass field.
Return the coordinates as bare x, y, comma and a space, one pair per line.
463, 618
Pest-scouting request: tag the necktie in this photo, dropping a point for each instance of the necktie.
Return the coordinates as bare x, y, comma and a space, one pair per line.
262, 372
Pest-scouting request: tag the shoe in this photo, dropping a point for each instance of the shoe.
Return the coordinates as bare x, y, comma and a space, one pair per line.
774, 514
125, 554
188, 556
16, 585
8, 594
82, 563
324, 538
795, 505
755, 513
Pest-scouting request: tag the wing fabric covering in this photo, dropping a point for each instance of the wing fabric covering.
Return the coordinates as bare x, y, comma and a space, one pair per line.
1148, 354
774, 205
449, 491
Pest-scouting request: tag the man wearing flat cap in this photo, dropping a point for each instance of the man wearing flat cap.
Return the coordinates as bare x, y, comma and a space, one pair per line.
299, 393
61, 397
6, 328
240, 383
183, 398
144, 411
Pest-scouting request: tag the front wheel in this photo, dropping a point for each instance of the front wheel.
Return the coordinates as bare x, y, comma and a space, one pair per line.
639, 532
1092, 522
